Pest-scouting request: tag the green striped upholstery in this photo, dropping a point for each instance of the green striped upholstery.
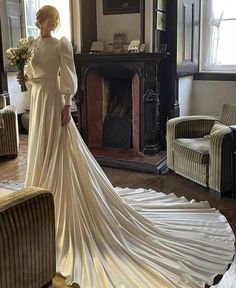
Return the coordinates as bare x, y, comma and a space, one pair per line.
220, 164
208, 162
27, 239
9, 135
195, 149
2, 101
194, 171
186, 127
228, 114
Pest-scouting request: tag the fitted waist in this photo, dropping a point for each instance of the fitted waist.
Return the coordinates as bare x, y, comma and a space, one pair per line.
39, 79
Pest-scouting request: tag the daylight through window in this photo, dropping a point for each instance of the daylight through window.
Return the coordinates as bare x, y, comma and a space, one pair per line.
218, 36
32, 6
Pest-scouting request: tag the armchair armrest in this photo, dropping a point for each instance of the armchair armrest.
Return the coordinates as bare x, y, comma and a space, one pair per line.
2, 101
220, 166
190, 126
186, 127
9, 135
21, 196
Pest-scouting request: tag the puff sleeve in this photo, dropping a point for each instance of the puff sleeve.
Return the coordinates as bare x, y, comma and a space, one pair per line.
28, 70
68, 78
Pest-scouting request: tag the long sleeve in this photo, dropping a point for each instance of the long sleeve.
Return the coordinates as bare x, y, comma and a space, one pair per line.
68, 77
28, 71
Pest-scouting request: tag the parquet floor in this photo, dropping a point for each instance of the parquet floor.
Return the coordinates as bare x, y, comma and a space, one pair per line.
13, 171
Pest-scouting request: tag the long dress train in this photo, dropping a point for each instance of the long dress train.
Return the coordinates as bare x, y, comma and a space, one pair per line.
106, 236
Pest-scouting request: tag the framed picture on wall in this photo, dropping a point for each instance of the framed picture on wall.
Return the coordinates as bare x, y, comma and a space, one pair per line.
121, 6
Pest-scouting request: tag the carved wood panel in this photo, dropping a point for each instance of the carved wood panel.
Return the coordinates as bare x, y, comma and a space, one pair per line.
188, 23
12, 27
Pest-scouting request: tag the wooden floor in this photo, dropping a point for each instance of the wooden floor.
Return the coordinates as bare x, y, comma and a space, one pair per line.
13, 171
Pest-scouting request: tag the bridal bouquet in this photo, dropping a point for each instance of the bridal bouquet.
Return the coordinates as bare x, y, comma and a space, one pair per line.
18, 58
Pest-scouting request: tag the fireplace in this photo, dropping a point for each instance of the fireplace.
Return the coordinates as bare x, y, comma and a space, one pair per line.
118, 105
117, 120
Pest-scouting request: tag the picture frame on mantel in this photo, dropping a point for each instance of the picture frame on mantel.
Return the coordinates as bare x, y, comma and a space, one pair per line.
121, 6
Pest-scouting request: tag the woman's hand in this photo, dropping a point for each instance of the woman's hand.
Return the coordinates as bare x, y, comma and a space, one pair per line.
21, 78
65, 115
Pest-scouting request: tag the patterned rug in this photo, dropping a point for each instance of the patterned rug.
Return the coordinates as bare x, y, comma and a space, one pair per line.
12, 186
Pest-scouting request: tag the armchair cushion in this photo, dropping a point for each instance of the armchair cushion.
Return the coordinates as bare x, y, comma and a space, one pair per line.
217, 126
195, 149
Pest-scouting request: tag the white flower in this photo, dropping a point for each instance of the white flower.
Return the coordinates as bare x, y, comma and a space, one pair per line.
20, 55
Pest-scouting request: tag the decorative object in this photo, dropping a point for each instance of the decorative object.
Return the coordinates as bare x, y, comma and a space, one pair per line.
18, 58
121, 6
25, 119
110, 47
134, 46
97, 46
119, 41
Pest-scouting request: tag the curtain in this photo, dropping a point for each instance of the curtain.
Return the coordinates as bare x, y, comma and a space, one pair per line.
213, 12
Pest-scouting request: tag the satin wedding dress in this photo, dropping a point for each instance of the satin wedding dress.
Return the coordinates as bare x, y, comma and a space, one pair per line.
105, 236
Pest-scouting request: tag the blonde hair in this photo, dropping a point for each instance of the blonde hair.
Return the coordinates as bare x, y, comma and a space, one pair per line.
44, 13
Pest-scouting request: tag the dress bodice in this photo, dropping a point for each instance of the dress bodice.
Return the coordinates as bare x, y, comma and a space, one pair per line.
53, 59
46, 58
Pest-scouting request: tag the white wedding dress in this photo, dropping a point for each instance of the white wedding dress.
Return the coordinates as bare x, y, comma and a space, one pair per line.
106, 236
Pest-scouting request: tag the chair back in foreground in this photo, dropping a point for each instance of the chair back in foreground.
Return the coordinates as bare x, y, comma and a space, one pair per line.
27, 239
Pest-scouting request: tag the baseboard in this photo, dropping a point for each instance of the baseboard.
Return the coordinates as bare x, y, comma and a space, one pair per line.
221, 194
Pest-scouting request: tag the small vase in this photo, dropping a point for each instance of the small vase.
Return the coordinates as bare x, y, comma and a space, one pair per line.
22, 81
25, 119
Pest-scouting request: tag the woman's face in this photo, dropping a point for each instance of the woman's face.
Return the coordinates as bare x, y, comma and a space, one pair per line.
50, 23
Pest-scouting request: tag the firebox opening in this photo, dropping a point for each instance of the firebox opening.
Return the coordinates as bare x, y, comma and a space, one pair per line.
117, 120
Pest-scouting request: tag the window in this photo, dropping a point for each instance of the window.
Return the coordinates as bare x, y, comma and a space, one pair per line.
32, 6
218, 36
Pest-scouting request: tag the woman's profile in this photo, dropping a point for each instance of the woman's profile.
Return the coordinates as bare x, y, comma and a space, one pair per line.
106, 236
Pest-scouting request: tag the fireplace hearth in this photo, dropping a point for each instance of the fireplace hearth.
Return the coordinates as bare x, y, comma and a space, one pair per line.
118, 108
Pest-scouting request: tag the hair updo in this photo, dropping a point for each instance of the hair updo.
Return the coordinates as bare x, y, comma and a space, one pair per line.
44, 13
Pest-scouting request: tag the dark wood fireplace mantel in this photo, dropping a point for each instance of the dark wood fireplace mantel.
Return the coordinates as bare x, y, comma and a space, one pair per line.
145, 65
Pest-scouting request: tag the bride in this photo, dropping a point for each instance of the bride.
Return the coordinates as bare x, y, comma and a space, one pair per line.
106, 236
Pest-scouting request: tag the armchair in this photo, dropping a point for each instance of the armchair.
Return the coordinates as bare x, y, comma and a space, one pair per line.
200, 148
27, 238
9, 135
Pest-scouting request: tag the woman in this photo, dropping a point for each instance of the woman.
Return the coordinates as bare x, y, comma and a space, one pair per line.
110, 237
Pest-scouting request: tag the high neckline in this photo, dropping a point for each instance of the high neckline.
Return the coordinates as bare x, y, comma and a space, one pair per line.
45, 37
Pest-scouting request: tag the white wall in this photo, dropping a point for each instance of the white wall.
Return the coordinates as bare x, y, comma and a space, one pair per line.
185, 95
204, 97
107, 25
208, 96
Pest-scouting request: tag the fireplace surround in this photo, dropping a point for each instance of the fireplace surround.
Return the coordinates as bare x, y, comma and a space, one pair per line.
129, 83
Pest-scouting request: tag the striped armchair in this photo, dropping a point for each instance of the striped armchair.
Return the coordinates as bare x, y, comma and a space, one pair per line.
9, 135
200, 148
27, 239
